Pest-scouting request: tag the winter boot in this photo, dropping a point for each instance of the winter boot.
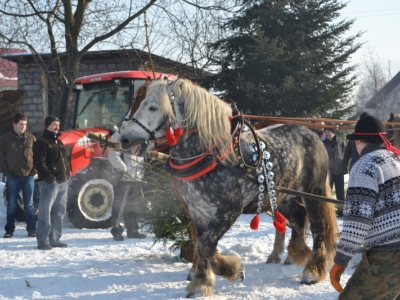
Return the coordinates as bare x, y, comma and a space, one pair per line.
117, 233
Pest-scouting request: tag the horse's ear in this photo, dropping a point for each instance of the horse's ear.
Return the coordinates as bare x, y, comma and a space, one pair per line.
149, 80
391, 117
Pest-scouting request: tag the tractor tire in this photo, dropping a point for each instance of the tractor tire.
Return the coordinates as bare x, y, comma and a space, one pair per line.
90, 197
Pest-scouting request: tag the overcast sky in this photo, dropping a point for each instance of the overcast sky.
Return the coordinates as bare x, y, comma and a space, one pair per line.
380, 19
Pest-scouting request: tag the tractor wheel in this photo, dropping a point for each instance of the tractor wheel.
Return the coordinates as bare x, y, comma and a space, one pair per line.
90, 197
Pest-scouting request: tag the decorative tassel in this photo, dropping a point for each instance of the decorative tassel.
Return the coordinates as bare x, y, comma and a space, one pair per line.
255, 222
170, 137
173, 134
177, 132
280, 222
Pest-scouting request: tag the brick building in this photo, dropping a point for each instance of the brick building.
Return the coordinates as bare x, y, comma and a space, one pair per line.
32, 81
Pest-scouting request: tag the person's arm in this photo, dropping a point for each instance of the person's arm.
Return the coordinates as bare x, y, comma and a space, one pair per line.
114, 157
39, 162
360, 206
347, 156
3, 161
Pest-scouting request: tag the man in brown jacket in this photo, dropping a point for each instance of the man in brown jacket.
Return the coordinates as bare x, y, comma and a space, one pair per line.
16, 163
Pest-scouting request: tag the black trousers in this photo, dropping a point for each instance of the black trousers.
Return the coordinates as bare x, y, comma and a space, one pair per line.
338, 181
132, 206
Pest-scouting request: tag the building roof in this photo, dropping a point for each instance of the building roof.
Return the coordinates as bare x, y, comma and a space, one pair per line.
381, 95
8, 69
26, 58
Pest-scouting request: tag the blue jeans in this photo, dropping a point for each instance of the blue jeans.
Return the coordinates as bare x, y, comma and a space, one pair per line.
52, 208
14, 184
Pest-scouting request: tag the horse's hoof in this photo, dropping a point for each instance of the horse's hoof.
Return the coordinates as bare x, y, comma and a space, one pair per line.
308, 282
193, 295
242, 276
273, 260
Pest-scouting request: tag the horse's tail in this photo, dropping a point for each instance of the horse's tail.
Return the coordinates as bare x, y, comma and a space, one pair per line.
331, 227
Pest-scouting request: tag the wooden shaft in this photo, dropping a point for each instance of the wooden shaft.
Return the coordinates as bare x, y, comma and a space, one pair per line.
114, 145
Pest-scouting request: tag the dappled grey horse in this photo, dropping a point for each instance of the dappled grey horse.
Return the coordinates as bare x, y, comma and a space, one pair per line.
226, 169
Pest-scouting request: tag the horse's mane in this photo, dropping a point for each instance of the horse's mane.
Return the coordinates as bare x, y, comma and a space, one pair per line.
396, 130
206, 113
138, 97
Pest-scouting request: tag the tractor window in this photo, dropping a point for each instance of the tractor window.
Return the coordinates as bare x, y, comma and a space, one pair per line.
102, 104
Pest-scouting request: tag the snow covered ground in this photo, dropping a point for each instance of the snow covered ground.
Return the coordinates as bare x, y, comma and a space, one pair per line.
94, 266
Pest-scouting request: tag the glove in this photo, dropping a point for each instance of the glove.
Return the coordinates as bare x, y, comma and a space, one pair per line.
126, 177
334, 275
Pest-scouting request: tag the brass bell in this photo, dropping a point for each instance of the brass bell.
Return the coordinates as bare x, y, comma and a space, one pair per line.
241, 165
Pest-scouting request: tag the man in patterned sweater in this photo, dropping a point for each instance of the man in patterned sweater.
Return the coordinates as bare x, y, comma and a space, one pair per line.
371, 218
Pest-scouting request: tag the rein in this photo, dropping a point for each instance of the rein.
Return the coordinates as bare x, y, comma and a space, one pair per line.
152, 133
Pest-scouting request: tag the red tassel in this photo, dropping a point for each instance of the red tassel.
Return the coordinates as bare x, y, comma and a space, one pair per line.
280, 222
177, 133
170, 137
255, 222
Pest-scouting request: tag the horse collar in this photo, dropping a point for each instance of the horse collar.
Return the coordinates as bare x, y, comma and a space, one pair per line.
261, 164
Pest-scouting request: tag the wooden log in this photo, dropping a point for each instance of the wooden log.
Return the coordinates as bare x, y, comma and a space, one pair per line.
114, 145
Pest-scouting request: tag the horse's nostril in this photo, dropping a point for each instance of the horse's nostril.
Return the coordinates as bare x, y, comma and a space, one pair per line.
124, 141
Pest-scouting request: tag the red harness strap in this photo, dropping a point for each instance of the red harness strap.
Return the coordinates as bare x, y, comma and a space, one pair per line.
203, 171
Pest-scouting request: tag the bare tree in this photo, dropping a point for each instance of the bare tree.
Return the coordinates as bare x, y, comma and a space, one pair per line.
68, 29
374, 76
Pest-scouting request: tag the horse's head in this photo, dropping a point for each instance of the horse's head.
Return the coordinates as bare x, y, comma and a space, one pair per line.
150, 121
393, 131
139, 96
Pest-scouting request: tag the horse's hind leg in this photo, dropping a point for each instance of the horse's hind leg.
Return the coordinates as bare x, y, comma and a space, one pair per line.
316, 267
279, 243
295, 212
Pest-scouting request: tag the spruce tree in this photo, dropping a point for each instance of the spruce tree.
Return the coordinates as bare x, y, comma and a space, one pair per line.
287, 58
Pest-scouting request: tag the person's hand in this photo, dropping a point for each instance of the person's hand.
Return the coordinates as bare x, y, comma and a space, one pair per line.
345, 170
335, 274
50, 179
126, 177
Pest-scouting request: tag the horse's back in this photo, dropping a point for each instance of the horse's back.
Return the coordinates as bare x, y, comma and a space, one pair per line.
296, 153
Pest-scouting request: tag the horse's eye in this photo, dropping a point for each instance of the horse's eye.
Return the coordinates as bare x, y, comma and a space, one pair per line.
153, 108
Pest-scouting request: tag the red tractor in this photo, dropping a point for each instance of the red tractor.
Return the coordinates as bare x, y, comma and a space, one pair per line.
101, 103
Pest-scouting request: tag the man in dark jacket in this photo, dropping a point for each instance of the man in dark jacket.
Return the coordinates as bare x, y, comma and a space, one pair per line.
335, 148
51, 163
350, 153
16, 163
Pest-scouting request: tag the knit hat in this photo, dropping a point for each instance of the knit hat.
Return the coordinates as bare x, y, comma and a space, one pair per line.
364, 114
372, 129
330, 129
50, 119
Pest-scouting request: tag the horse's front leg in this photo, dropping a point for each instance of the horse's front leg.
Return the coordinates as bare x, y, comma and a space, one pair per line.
174, 183
192, 271
203, 281
210, 262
